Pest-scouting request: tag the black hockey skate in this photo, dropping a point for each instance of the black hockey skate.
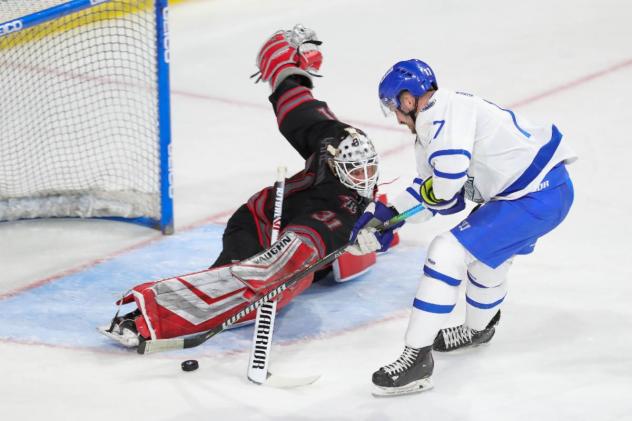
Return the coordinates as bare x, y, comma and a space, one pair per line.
409, 374
458, 337
123, 329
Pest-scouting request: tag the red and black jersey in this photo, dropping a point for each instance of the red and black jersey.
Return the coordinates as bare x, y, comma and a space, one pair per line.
303, 120
316, 204
310, 126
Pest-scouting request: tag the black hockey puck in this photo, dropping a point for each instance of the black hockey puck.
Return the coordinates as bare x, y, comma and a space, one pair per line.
189, 365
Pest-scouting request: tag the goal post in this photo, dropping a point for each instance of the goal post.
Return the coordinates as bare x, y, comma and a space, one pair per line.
85, 110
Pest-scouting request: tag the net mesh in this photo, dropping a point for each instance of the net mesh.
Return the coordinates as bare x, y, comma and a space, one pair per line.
79, 123
13, 9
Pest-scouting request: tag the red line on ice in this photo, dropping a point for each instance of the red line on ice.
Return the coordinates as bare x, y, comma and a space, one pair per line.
213, 218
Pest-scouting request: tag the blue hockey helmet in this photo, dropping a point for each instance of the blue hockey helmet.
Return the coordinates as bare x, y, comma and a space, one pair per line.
412, 75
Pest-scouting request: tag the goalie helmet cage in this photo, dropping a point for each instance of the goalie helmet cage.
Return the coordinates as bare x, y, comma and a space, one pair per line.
85, 110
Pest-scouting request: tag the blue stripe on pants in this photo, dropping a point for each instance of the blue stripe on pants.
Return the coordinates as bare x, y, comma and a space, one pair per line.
481, 305
432, 308
441, 277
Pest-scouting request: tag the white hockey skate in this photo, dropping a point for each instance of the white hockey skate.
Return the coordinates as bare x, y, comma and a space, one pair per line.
122, 330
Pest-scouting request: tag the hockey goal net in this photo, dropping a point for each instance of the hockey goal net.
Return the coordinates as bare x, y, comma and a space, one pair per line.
84, 110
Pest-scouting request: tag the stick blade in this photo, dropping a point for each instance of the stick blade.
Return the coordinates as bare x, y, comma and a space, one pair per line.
282, 382
160, 345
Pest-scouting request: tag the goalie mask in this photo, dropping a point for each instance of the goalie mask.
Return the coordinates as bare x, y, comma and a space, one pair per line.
355, 162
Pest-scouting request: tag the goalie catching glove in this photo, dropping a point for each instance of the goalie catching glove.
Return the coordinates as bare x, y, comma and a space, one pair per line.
285, 53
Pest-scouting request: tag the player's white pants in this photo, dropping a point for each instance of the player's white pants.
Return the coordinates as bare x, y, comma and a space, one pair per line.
485, 292
447, 264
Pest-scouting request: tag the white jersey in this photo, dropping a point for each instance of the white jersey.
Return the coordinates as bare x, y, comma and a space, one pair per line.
466, 141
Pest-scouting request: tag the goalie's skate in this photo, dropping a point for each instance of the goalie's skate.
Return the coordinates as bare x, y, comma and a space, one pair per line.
453, 338
409, 374
123, 330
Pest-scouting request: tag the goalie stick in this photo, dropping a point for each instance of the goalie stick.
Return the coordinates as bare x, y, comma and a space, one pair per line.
264, 323
158, 345
258, 372
259, 360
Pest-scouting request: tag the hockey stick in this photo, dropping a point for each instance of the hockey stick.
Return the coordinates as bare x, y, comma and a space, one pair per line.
159, 345
260, 353
278, 204
264, 323
260, 350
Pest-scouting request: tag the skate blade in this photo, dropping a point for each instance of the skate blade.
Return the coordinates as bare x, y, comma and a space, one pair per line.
463, 349
466, 348
127, 342
414, 387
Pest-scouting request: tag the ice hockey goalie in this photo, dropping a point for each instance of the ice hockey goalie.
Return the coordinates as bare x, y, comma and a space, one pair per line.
321, 204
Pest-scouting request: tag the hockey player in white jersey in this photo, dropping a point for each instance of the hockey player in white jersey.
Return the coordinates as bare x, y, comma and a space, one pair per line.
466, 148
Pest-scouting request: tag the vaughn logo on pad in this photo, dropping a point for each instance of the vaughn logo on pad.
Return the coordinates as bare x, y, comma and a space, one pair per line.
281, 245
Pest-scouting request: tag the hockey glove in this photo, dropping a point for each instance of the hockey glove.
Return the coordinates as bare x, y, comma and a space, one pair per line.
366, 238
443, 207
289, 53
